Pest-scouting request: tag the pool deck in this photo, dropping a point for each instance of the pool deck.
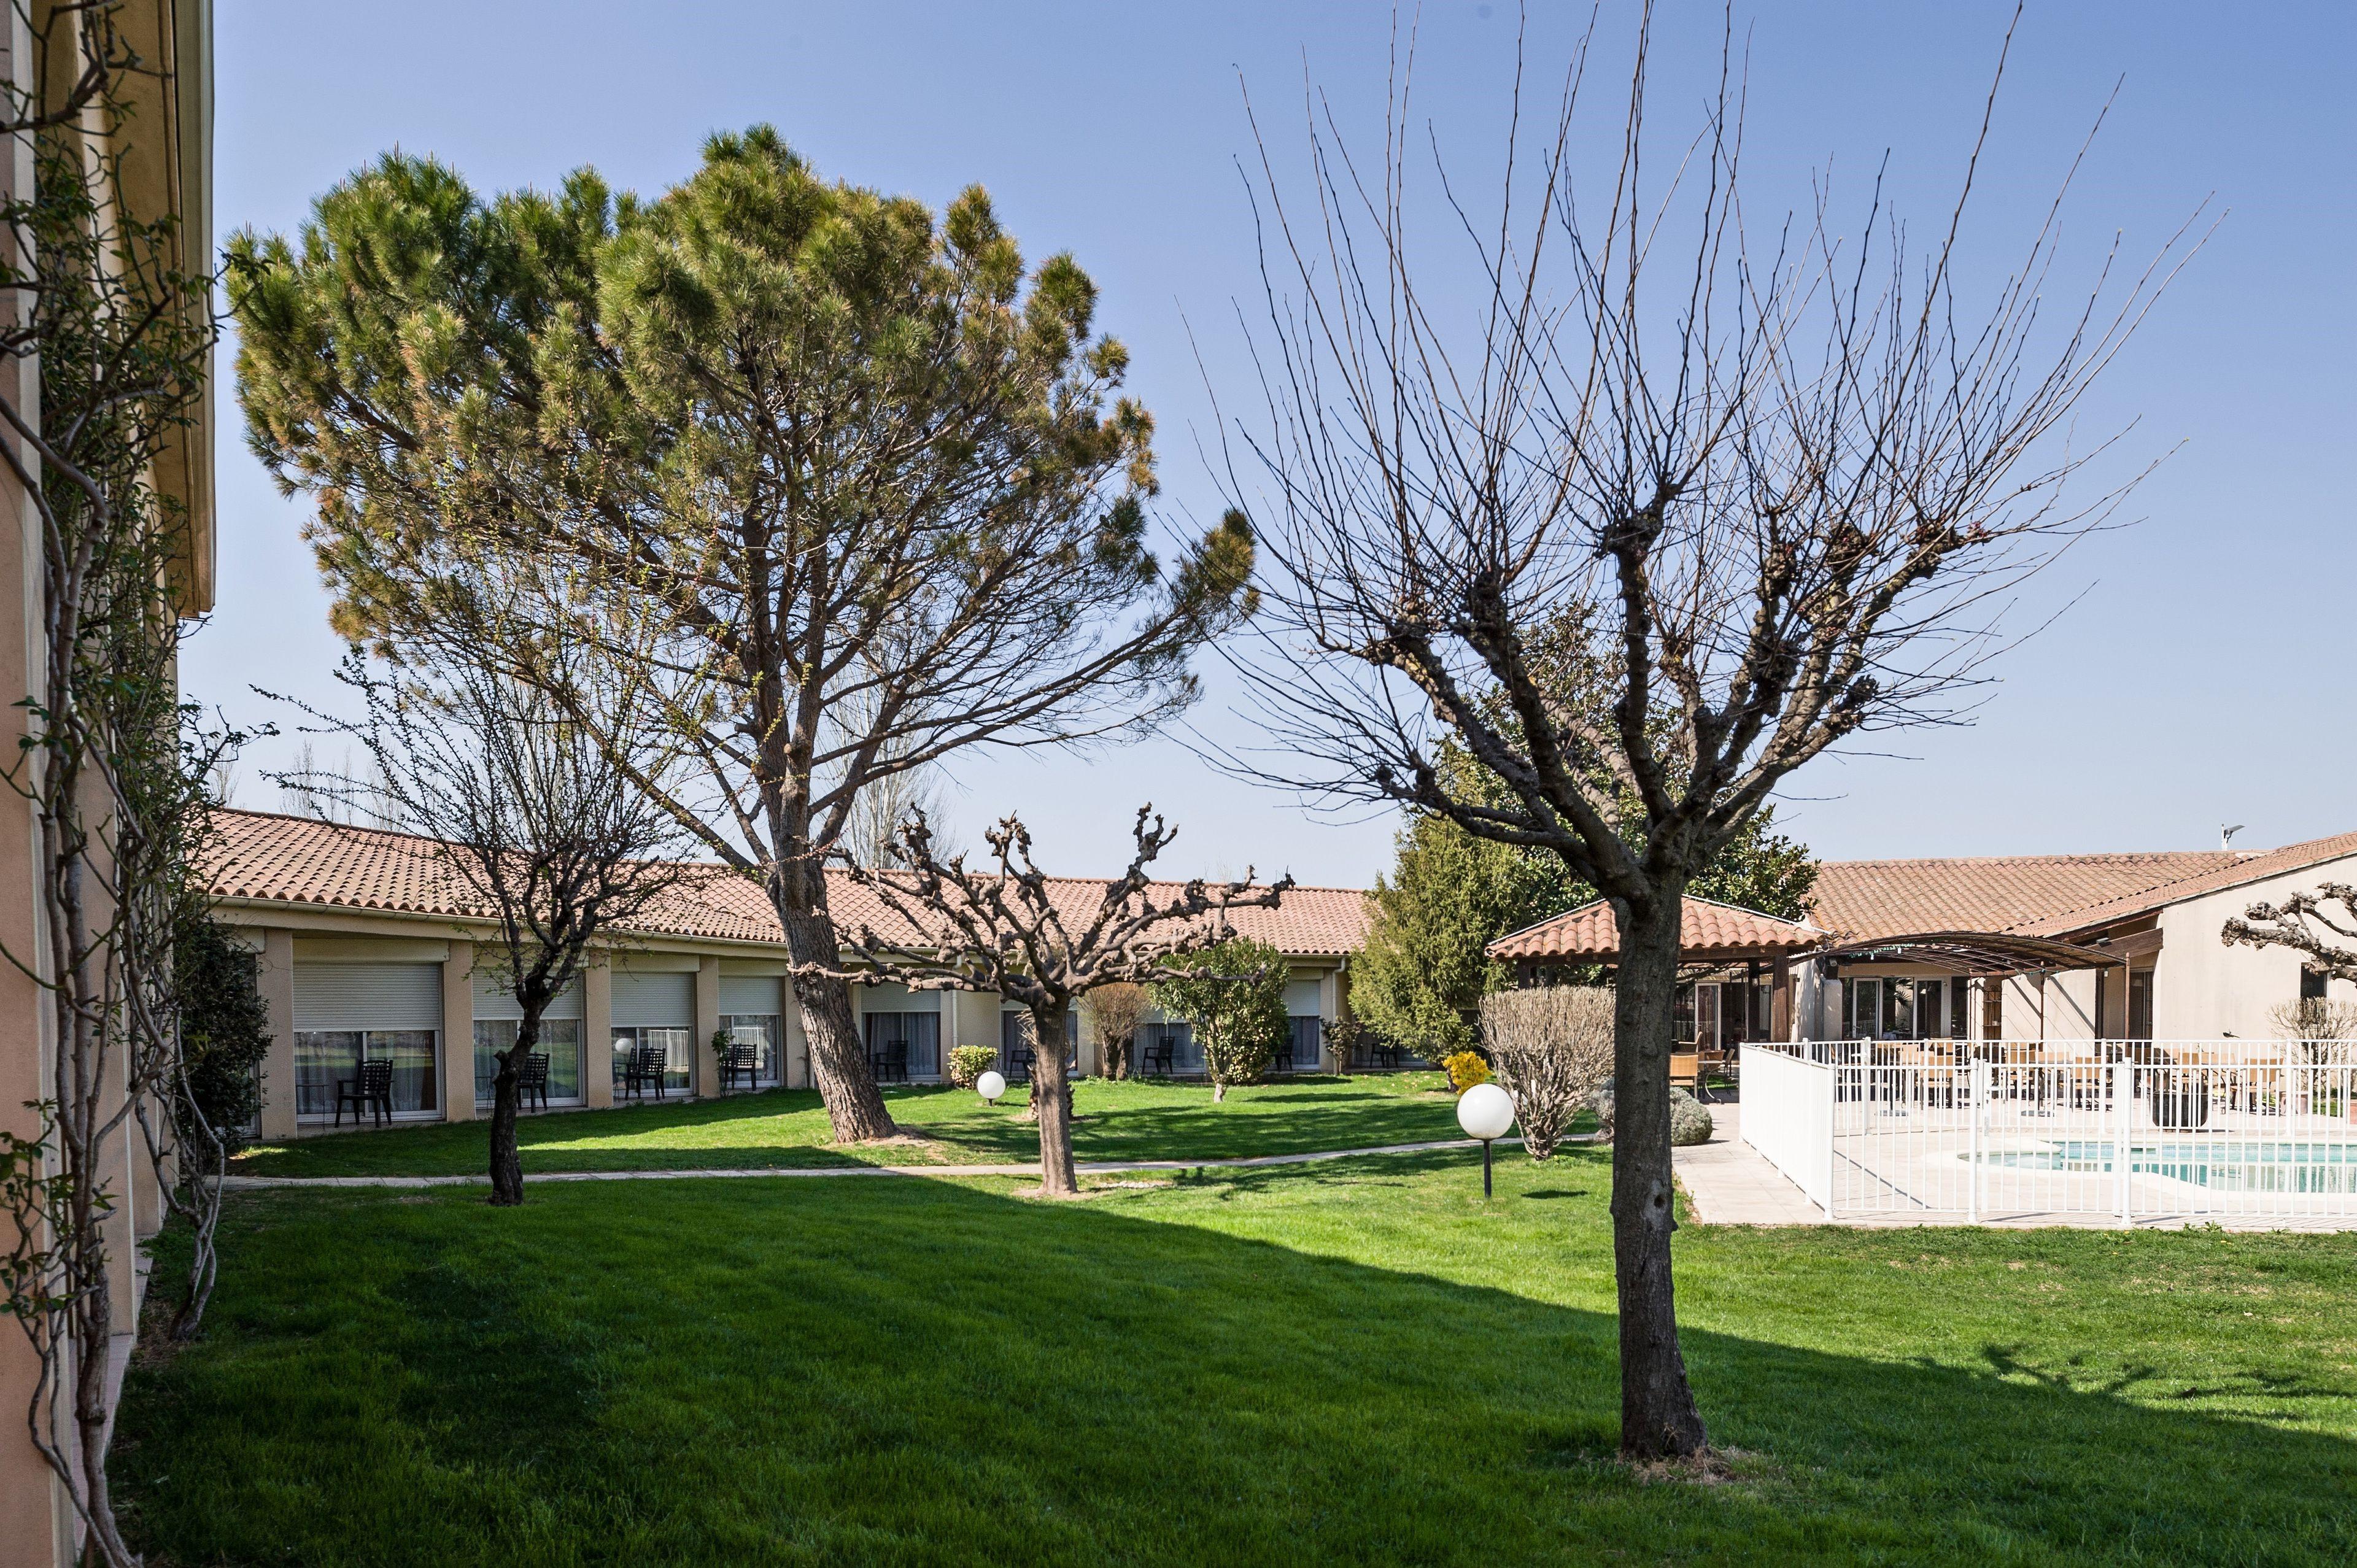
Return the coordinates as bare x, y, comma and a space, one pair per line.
1727, 1182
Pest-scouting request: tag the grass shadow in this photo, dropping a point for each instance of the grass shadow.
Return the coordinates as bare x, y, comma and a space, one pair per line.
1256, 1367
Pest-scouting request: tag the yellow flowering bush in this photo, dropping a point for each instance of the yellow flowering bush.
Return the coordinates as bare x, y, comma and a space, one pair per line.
1465, 1069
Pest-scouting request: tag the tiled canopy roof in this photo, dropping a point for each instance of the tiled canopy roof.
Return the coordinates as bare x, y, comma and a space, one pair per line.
1706, 930
296, 860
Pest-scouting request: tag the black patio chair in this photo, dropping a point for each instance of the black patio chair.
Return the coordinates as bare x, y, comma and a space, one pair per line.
372, 1091
532, 1080
1158, 1059
889, 1062
1018, 1064
645, 1067
742, 1060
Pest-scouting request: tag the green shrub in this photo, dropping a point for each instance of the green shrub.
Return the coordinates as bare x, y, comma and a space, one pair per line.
1465, 1069
1234, 995
968, 1063
224, 1036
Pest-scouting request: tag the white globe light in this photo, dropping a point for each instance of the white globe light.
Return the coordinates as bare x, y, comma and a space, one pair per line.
990, 1086
1485, 1111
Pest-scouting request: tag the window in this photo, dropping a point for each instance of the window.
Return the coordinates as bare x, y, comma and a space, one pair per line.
1015, 1031
1179, 1037
2140, 1004
1705, 1015
760, 1032
1959, 1018
1303, 1031
325, 1057
678, 1046
1865, 1009
1993, 1009
1897, 1011
560, 1042
918, 1034
2311, 985
1931, 1018
1685, 1014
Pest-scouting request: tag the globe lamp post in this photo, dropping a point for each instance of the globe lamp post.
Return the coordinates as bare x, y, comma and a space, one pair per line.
990, 1086
1487, 1112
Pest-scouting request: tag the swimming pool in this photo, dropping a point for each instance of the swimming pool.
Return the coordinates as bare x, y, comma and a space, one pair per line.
2239, 1166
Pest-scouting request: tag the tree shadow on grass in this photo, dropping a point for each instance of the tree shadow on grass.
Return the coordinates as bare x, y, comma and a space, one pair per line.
730, 1373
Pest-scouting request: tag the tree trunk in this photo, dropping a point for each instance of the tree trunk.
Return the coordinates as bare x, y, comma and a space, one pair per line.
1051, 1096
1658, 1418
854, 1104
507, 1162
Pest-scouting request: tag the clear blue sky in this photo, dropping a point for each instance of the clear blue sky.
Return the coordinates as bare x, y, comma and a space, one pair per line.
2200, 674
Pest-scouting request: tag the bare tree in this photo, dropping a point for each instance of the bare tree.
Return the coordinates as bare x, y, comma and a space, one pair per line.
1550, 1049
2307, 923
2320, 925
534, 828
1000, 929
1643, 517
1118, 1012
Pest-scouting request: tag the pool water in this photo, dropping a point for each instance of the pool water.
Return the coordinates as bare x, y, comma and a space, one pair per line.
2239, 1167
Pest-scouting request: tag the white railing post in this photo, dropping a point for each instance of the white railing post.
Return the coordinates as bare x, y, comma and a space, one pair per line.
1833, 1127
2123, 1108
1977, 1093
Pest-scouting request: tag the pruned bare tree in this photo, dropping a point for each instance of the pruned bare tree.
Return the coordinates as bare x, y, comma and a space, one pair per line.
1001, 928
2307, 923
2322, 927
1641, 514
1550, 1049
534, 830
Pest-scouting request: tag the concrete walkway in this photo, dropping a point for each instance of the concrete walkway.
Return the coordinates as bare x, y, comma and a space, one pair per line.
1085, 1167
1728, 1182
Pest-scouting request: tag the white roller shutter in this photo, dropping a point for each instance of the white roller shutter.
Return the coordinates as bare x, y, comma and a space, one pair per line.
654, 1001
494, 1000
751, 995
1301, 998
367, 996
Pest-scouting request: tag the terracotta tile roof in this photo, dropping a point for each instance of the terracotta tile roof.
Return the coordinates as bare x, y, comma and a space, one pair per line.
1862, 900
296, 860
1705, 928
2038, 894
2244, 868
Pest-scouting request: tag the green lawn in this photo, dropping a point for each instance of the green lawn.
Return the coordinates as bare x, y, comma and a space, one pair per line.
1358, 1362
1127, 1120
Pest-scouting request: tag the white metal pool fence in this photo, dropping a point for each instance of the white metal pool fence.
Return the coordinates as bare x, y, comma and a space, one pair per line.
2135, 1130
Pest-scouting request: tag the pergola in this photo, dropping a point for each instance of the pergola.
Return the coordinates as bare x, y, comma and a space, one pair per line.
1976, 953
1717, 936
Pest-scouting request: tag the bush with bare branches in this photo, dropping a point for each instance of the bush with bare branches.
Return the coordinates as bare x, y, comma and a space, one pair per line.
1549, 1048
1117, 1012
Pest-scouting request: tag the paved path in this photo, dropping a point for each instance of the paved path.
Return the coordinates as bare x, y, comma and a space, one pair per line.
1085, 1167
1728, 1182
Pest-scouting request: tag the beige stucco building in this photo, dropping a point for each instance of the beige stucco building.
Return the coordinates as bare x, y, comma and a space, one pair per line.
2051, 949
163, 152
366, 955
